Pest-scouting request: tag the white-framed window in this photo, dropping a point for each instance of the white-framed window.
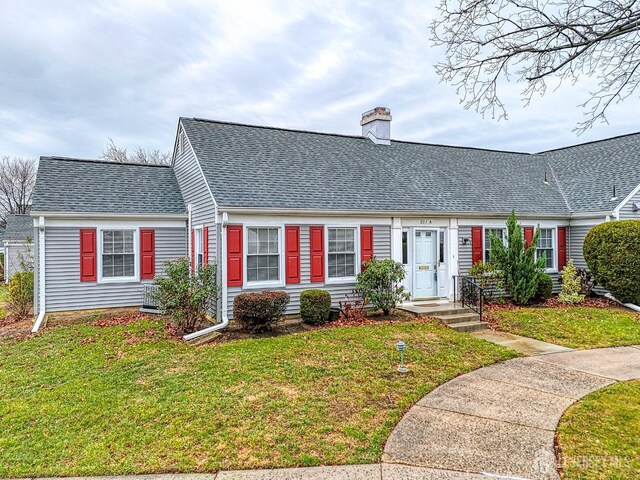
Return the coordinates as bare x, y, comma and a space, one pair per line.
263, 255
118, 254
341, 253
546, 246
499, 232
198, 247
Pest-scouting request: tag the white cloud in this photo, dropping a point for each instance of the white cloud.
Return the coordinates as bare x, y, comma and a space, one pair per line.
76, 73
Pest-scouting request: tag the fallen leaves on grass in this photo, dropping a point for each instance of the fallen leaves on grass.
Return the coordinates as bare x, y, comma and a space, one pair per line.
122, 320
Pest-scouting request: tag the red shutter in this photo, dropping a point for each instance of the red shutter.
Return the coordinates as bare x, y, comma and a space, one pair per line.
234, 255
193, 249
528, 236
476, 245
562, 247
292, 253
317, 253
366, 245
88, 270
147, 254
205, 245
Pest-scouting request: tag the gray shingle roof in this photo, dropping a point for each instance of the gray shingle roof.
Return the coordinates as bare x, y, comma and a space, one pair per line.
92, 186
1, 236
250, 166
589, 171
19, 228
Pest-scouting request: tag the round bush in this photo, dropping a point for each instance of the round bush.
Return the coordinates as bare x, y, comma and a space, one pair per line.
545, 287
315, 306
260, 311
612, 252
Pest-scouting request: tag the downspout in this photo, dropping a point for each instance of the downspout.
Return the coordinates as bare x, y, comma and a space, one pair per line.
41, 278
222, 268
189, 235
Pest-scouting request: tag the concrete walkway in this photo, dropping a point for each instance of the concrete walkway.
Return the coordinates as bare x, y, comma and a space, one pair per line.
525, 345
495, 422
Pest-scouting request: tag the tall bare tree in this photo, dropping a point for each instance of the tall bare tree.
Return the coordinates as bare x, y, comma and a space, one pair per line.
539, 42
118, 154
17, 179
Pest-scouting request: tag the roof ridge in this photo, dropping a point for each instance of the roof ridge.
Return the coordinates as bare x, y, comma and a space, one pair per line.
343, 135
589, 142
92, 160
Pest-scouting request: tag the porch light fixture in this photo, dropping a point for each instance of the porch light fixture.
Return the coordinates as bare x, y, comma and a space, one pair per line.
465, 240
401, 347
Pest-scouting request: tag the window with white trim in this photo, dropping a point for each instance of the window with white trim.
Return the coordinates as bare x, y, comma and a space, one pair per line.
263, 254
118, 254
341, 252
199, 248
546, 246
501, 233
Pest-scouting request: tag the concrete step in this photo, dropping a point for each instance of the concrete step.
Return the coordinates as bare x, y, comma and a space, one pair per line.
447, 309
469, 326
467, 316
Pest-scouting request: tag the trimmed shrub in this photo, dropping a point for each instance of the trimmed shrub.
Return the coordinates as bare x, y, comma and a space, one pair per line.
20, 294
380, 284
545, 287
188, 297
315, 306
571, 285
611, 251
260, 311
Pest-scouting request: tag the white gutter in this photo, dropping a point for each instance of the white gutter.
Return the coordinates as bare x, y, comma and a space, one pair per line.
41, 278
151, 216
222, 268
385, 213
630, 306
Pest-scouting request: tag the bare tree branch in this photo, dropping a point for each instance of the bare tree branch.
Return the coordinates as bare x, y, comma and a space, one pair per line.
536, 41
118, 154
17, 179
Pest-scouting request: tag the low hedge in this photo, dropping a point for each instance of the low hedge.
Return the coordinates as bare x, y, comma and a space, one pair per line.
260, 311
612, 252
315, 306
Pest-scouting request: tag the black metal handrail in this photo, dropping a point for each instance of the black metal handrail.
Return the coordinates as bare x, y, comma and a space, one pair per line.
469, 293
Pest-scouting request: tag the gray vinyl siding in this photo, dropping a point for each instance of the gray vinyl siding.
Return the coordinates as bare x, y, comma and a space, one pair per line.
36, 286
577, 234
64, 289
14, 253
196, 193
381, 250
626, 212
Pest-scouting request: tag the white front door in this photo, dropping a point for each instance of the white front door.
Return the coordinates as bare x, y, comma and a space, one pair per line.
425, 264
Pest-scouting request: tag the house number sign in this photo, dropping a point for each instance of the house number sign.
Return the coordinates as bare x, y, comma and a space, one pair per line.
424, 221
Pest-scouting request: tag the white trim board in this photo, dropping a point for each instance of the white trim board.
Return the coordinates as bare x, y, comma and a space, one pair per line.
627, 199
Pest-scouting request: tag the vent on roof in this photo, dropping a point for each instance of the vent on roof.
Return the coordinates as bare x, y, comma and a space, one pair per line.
376, 125
615, 194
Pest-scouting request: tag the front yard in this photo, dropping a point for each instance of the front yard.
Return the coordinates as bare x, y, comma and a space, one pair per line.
599, 437
572, 326
88, 400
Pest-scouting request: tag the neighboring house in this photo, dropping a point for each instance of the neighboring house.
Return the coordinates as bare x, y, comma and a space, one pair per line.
17, 244
291, 210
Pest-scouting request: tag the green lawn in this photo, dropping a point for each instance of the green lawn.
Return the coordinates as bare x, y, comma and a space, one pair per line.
574, 327
85, 400
599, 437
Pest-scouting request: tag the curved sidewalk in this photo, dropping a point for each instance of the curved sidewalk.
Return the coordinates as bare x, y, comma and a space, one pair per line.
499, 421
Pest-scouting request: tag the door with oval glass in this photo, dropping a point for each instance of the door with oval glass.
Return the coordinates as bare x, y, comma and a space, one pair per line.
425, 269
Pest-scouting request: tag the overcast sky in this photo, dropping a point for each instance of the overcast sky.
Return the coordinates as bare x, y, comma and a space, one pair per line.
74, 73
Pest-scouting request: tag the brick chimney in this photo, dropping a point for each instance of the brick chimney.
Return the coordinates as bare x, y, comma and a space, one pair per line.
376, 125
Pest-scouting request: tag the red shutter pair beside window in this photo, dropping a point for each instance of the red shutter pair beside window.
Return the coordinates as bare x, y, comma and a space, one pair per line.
89, 254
